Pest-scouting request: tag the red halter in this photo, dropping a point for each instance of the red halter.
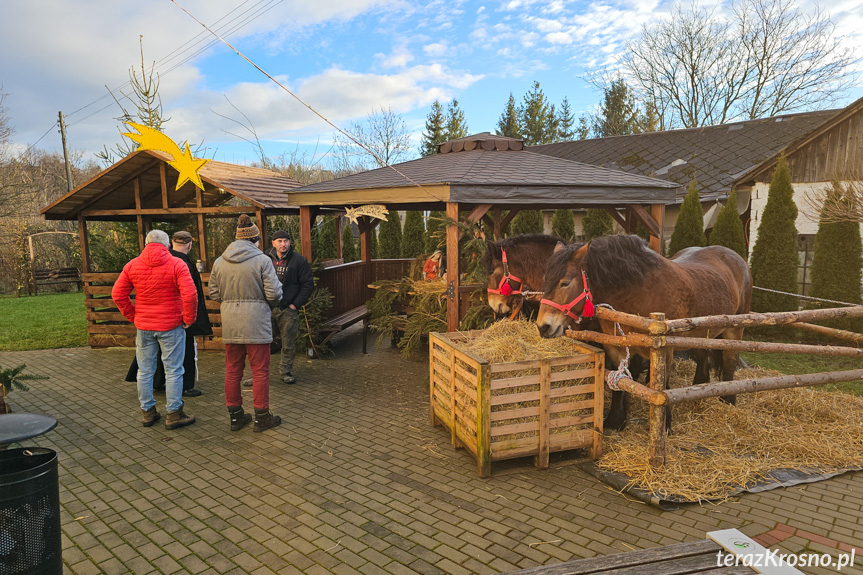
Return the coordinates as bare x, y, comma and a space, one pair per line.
505, 285
567, 308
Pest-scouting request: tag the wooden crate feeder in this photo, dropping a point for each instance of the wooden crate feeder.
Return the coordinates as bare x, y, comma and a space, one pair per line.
506, 410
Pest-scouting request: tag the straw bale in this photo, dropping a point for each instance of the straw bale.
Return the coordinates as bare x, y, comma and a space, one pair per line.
716, 448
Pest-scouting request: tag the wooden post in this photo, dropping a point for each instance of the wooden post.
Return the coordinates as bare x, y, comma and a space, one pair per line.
338, 236
657, 243
483, 419
657, 413
262, 227
432, 346
85, 244
202, 231
541, 459
497, 229
366, 250
598, 404
452, 271
139, 217
34, 289
163, 177
306, 232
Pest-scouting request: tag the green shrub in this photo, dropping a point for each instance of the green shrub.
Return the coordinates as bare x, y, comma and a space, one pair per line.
526, 222
391, 237
689, 229
435, 231
597, 222
728, 229
413, 239
562, 225
349, 247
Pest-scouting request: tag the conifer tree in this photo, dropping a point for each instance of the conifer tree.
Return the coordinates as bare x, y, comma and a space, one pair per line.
728, 229
618, 113
435, 230
327, 239
562, 225
435, 132
509, 124
413, 238
538, 120
642, 232
456, 126
565, 122
391, 237
838, 259
349, 248
774, 258
526, 222
374, 250
689, 229
597, 222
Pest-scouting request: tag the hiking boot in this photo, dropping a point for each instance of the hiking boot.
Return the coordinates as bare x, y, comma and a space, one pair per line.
289, 379
192, 393
150, 416
239, 418
265, 420
178, 418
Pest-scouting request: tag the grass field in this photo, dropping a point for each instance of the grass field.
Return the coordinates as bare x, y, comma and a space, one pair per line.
42, 322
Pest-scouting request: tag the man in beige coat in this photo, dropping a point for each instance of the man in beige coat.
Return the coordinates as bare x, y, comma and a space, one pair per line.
244, 281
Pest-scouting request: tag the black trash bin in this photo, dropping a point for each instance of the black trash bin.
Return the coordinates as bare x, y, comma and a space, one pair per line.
29, 512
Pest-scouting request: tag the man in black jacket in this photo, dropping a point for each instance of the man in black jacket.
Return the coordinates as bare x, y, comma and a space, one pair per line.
297, 286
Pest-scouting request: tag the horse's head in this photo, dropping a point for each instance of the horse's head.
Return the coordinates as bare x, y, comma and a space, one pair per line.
503, 288
566, 298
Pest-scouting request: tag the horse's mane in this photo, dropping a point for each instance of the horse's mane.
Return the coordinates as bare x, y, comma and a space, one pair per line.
612, 262
494, 248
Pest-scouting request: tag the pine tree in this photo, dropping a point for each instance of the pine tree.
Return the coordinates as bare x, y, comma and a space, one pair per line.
435, 132
565, 122
538, 120
435, 231
391, 237
349, 248
327, 239
526, 222
728, 229
597, 222
689, 229
413, 238
774, 258
838, 259
374, 250
509, 123
456, 126
618, 113
562, 225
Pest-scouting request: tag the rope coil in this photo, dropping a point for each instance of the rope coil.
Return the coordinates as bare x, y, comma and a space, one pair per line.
612, 378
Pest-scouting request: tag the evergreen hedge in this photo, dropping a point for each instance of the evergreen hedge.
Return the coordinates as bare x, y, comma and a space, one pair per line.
435, 231
413, 238
562, 225
689, 229
373, 243
597, 222
728, 229
349, 248
391, 237
526, 222
774, 258
327, 239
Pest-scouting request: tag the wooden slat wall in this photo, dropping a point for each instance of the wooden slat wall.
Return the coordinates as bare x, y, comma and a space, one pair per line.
391, 269
347, 284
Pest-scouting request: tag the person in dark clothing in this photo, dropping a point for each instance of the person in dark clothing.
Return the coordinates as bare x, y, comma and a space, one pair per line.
295, 273
181, 244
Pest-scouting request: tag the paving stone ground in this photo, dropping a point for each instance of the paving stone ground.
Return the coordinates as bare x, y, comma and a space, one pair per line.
356, 480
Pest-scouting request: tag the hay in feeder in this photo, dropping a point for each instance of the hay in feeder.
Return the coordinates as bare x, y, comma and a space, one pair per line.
715, 448
507, 341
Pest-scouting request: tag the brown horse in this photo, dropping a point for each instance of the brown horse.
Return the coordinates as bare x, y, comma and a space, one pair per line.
623, 272
524, 269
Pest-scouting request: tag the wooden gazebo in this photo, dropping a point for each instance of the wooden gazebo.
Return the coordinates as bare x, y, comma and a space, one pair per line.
492, 178
141, 188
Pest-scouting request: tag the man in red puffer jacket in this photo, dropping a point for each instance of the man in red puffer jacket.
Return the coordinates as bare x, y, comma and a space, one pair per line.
166, 303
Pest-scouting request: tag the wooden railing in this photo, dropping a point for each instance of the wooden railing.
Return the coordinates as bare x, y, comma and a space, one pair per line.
347, 283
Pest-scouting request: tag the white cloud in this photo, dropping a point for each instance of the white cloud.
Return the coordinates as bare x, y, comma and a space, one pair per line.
436, 49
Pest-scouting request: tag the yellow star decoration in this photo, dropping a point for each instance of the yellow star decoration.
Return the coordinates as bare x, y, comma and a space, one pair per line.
183, 162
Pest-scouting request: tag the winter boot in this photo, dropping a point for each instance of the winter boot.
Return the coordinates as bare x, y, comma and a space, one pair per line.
239, 419
150, 416
265, 420
178, 418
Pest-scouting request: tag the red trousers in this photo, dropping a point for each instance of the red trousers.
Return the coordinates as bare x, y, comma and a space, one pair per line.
235, 362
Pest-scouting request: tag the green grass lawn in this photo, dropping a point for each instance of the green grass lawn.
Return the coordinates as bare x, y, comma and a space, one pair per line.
42, 322
792, 363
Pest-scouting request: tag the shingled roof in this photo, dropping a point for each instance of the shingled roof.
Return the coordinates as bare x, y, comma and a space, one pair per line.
484, 168
716, 155
113, 188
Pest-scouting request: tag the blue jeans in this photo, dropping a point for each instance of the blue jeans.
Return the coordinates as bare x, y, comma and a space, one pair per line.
172, 345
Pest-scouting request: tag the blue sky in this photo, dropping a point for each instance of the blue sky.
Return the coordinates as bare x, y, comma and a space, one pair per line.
346, 58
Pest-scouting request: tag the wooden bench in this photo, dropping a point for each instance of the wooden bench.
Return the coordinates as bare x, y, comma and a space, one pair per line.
56, 276
342, 321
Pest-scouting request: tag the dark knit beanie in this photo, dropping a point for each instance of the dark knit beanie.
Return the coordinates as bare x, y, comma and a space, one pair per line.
246, 230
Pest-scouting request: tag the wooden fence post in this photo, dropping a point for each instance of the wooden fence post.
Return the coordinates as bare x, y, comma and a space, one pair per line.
657, 414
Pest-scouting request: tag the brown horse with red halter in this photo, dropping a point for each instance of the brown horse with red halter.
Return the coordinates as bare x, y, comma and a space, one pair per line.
515, 266
623, 272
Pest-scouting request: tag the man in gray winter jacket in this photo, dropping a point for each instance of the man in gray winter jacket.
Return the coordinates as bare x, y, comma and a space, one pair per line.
295, 274
244, 282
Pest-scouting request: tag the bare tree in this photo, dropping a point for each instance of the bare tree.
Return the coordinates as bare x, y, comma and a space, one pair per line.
766, 58
841, 202
384, 138
15, 190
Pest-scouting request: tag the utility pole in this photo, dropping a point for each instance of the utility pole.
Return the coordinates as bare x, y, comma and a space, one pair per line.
65, 153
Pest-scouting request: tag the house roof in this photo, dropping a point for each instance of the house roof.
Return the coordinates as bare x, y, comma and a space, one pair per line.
489, 169
718, 156
113, 188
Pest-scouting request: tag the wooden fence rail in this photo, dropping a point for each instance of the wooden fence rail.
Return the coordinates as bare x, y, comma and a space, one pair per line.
661, 345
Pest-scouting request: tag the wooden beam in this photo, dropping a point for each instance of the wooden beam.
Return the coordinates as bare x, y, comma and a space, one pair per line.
616, 216
478, 212
163, 180
85, 244
645, 218
202, 242
657, 242
496, 226
508, 218
262, 227
452, 270
172, 211
657, 432
490, 223
121, 183
306, 220
137, 210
